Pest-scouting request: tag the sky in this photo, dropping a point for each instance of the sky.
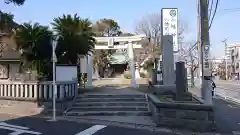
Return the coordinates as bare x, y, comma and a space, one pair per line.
128, 12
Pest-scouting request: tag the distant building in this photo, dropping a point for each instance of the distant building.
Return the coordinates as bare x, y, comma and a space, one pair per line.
234, 59
215, 64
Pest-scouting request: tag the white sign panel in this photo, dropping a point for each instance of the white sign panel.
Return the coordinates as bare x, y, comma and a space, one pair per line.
66, 73
206, 62
170, 25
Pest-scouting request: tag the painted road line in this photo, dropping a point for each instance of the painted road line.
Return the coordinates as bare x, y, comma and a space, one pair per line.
236, 132
91, 130
13, 126
233, 106
17, 131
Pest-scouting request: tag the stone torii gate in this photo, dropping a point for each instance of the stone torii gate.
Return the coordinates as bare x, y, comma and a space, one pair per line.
127, 42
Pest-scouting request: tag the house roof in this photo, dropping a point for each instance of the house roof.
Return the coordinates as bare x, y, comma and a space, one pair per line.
10, 56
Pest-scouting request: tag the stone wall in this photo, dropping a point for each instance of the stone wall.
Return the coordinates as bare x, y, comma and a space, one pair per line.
196, 117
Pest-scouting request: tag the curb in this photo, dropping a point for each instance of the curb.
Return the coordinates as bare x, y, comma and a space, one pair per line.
132, 125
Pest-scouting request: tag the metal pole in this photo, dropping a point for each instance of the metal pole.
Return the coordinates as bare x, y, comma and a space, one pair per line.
226, 60
226, 68
199, 49
205, 49
54, 59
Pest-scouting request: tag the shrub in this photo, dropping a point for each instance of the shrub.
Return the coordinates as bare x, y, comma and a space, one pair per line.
143, 75
127, 75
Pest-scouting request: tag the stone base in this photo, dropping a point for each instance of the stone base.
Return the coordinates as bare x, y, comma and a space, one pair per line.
191, 116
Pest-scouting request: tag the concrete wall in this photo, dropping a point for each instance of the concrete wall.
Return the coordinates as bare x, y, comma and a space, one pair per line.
10, 71
196, 117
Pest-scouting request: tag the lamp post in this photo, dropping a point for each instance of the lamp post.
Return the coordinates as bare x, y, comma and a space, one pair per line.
226, 58
54, 60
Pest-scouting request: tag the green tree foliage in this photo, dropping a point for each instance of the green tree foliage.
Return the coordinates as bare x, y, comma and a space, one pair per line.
6, 22
75, 38
105, 28
34, 41
16, 2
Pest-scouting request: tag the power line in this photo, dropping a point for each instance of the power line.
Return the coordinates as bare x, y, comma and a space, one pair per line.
216, 6
210, 8
214, 14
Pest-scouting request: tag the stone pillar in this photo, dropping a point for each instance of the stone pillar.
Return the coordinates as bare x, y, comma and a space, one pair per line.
26, 90
137, 73
89, 70
61, 91
1, 89
45, 91
50, 90
154, 76
168, 61
132, 64
35, 89
13, 90
181, 83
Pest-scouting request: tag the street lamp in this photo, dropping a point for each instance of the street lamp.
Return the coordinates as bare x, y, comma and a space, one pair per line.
54, 60
226, 58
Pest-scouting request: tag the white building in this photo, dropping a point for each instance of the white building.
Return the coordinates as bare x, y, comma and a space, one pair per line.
232, 54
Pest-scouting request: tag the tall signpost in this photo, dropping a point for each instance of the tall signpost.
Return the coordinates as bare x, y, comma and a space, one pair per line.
205, 52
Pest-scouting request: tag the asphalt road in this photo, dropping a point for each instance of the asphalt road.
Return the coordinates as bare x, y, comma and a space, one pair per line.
226, 113
11, 125
227, 116
228, 88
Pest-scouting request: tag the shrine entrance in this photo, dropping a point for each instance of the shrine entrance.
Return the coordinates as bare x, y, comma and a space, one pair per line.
128, 42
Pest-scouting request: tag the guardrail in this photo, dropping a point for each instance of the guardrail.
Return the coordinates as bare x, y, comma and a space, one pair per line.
37, 91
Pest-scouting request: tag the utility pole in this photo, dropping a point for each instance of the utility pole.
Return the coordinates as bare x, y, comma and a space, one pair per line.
199, 47
205, 52
226, 59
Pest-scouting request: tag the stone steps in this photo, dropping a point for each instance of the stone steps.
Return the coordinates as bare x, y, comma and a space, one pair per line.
109, 105
111, 96
108, 108
116, 103
110, 99
108, 113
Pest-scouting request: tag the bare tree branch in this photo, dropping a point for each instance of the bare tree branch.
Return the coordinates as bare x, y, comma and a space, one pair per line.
150, 25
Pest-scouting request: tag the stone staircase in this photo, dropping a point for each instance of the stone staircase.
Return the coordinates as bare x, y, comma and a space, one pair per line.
109, 105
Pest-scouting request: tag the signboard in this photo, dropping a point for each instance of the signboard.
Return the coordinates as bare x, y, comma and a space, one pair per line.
170, 25
66, 73
206, 61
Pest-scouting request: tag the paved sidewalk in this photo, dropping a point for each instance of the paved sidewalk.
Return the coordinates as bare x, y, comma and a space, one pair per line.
19, 108
227, 114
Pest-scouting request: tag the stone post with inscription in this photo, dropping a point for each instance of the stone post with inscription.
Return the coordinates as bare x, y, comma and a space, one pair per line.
169, 44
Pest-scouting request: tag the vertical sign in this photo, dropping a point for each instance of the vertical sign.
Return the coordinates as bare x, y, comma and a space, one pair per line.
206, 61
170, 25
